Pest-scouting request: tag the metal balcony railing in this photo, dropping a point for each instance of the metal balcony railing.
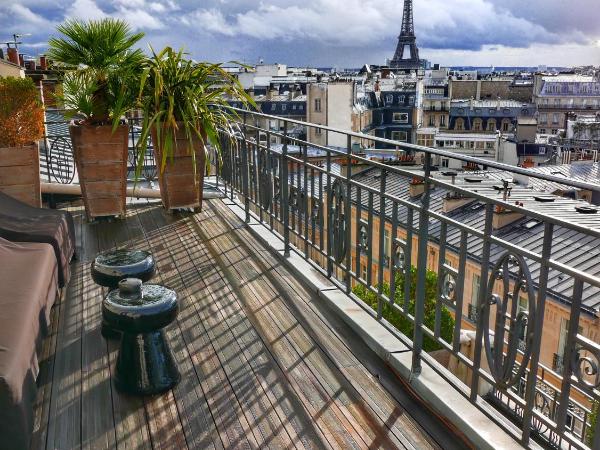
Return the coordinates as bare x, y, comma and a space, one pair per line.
313, 194
348, 246
56, 160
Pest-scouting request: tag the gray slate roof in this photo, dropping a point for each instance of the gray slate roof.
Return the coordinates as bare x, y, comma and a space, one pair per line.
569, 247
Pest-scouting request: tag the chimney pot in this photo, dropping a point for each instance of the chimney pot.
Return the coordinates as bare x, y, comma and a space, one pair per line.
13, 56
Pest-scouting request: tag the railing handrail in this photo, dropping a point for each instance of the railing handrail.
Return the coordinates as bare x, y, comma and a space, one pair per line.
431, 151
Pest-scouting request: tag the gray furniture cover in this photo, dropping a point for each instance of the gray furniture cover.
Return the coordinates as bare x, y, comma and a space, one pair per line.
28, 288
20, 222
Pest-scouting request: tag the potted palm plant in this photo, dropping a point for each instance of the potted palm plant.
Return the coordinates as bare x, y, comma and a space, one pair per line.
21, 127
185, 106
99, 86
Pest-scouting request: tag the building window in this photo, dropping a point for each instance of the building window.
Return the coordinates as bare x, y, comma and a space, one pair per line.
283, 106
317, 105
542, 150
389, 99
432, 121
543, 118
399, 136
401, 100
442, 121
386, 244
505, 125
563, 336
523, 306
489, 145
400, 117
542, 131
554, 131
491, 125
445, 162
318, 131
411, 100
363, 271
273, 106
478, 125
459, 125
554, 118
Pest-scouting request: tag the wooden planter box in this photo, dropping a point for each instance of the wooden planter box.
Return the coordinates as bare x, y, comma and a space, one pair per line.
101, 159
180, 187
20, 173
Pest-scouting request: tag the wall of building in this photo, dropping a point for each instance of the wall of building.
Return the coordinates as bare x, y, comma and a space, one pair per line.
317, 91
491, 89
11, 70
340, 97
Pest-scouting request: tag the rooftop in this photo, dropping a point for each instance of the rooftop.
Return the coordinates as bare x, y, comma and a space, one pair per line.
527, 232
568, 78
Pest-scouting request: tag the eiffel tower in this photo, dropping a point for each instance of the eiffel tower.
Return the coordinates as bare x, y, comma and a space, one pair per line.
407, 53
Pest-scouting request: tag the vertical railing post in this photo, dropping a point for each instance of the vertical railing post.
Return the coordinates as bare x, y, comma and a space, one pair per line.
245, 170
381, 250
348, 214
421, 270
481, 299
284, 182
537, 323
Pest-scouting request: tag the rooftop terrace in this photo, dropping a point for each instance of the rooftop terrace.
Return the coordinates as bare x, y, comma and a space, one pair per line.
264, 363
520, 365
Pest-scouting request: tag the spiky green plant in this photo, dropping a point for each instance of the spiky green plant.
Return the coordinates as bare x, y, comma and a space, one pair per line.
176, 92
101, 68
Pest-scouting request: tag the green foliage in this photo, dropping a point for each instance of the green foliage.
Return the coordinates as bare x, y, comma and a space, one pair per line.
21, 112
593, 418
101, 69
174, 91
400, 322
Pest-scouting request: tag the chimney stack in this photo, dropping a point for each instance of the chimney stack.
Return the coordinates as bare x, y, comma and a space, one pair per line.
43, 62
13, 56
21, 60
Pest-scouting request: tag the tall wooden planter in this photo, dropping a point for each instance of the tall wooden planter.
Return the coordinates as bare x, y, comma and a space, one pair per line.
20, 173
101, 159
180, 187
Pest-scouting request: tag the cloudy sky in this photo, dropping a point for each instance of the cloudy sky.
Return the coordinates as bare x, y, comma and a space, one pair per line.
341, 33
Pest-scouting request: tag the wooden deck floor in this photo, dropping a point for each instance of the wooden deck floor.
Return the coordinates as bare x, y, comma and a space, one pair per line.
263, 364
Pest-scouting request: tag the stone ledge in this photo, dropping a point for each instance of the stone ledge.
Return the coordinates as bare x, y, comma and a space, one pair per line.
429, 386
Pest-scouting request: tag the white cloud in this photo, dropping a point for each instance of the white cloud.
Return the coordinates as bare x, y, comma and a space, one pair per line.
85, 10
210, 20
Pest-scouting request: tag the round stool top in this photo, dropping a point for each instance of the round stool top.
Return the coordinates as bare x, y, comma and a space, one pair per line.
108, 268
139, 308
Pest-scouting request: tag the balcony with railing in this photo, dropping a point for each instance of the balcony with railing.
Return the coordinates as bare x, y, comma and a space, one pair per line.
311, 352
